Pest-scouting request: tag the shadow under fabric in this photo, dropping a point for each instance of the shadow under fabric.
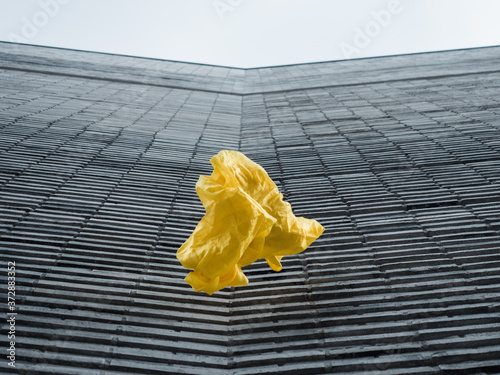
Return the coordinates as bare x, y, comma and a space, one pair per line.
246, 220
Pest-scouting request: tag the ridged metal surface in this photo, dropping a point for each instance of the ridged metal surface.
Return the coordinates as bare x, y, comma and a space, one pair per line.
97, 193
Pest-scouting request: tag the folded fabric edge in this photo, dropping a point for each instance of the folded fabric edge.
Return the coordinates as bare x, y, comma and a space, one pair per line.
201, 283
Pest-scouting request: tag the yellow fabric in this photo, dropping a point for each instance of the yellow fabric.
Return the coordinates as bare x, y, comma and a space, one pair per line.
246, 220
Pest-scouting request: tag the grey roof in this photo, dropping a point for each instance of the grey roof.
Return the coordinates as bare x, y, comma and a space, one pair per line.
398, 158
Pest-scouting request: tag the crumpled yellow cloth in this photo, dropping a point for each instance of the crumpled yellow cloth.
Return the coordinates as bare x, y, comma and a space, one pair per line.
246, 220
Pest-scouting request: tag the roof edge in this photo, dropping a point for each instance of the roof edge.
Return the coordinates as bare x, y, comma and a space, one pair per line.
375, 57
253, 68
123, 55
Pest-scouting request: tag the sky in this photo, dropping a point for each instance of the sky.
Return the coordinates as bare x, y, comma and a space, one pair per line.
252, 33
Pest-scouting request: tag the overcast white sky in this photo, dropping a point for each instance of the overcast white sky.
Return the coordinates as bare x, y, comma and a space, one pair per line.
250, 33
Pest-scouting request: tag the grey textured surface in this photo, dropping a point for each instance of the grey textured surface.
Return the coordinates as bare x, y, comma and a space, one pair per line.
397, 157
